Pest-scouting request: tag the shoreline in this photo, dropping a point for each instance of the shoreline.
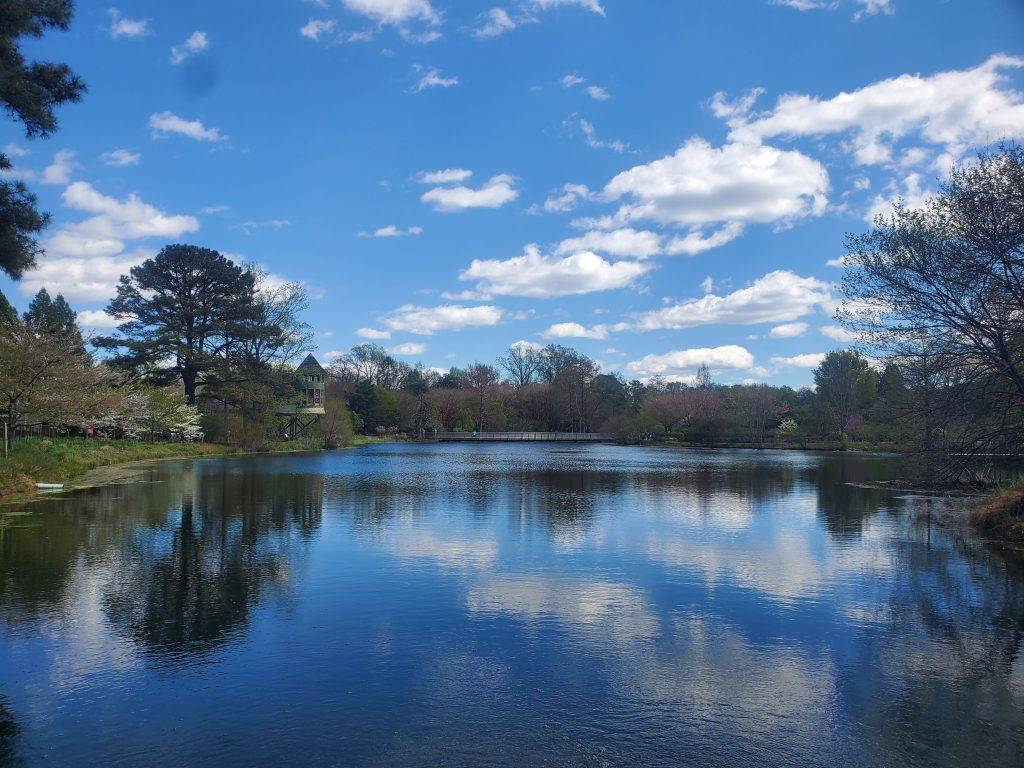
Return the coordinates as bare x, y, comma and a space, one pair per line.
17, 486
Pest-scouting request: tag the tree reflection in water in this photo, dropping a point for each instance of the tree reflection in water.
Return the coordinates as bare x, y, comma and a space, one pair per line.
509, 605
236, 536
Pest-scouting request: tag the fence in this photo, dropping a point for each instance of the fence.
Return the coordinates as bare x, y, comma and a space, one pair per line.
519, 437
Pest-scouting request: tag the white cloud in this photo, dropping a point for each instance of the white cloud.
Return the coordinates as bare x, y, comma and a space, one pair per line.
248, 227
570, 81
591, 137
314, 29
777, 297
466, 295
213, 209
409, 348
788, 330
119, 158
495, 22
425, 321
373, 333
59, 171
84, 260
395, 12
526, 346
734, 184
392, 231
589, 5
837, 333
567, 198
910, 193
597, 93
163, 124
865, 7
122, 27
687, 361
96, 318
88, 278
195, 43
495, 193
707, 285
539, 276
431, 77
695, 241
629, 242
13, 150
956, 110
574, 331
807, 360
444, 176
128, 219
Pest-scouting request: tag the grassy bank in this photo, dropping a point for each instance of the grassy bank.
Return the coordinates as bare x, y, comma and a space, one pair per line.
58, 460
1001, 516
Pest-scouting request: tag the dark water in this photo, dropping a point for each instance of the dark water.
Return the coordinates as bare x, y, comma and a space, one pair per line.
508, 605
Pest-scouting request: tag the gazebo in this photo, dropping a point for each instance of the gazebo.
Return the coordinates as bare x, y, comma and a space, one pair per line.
306, 408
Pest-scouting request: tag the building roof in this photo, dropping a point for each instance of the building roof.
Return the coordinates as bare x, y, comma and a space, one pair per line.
310, 365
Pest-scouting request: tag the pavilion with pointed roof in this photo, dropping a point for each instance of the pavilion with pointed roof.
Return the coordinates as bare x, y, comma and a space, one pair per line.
306, 408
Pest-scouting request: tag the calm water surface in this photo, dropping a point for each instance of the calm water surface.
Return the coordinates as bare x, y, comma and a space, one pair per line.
505, 605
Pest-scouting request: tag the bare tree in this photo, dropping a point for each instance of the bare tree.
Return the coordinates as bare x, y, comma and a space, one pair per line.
521, 363
942, 288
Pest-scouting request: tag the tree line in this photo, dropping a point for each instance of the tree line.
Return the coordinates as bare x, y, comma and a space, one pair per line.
558, 389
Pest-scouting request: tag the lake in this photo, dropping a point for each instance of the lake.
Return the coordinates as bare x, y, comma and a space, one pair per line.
506, 605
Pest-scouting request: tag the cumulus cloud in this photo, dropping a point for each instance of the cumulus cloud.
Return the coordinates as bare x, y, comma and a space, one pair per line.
409, 348
909, 192
59, 171
498, 191
574, 331
163, 124
395, 12
597, 93
778, 297
88, 278
955, 110
837, 333
695, 241
425, 321
628, 242
119, 158
431, 77
565, 199
495, 22
84, 259
444, 176
393, 231
807, 360
588, 5
538, 276
128, 219
733, 184
686, 361
314, 29
788, 330
373, 333
122, 27
195, 43
96, 318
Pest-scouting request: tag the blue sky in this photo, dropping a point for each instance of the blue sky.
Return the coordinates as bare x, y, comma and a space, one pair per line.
657, 183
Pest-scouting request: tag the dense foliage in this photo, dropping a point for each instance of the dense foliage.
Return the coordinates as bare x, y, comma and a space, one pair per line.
30, 92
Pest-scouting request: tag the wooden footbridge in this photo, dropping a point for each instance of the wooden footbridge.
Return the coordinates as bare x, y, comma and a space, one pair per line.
522, 437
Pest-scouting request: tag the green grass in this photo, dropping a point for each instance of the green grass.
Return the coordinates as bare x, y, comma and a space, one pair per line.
57, 460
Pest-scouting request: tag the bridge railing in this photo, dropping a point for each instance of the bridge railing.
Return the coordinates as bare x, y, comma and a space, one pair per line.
514, 437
